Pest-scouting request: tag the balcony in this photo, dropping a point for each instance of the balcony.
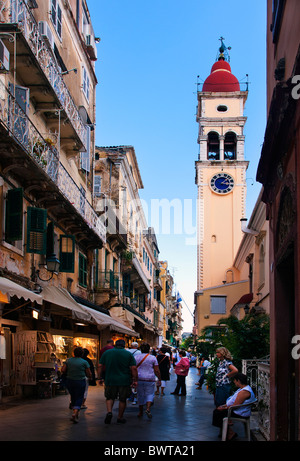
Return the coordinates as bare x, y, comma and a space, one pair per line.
44, 78
108, 281
35, 164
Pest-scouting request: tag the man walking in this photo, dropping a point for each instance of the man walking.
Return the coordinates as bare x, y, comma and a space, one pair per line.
120, 375
134, 350
109, 345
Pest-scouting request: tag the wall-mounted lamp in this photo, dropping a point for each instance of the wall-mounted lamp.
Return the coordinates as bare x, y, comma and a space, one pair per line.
52, 265
66, 72
247, 309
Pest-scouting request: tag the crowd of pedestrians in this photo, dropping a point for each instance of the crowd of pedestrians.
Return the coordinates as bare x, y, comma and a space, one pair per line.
137, 374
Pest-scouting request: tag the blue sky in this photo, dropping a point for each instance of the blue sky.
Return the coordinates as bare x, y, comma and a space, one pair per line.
149, 57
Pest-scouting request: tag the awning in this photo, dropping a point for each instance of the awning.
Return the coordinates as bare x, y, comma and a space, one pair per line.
130, 316
61, 297
14, 289
245, 299
104, 321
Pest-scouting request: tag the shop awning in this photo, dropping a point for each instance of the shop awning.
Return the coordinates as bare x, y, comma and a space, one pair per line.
8, 287
61, 297
131, 315
105, 321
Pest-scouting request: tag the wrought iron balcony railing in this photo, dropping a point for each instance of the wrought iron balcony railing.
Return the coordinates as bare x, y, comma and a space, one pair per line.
108, 280
32, 143
17, 12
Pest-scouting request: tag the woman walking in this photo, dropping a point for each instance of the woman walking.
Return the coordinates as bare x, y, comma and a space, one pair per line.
164, 367
225, 371
148, 369
181, 370
76, 370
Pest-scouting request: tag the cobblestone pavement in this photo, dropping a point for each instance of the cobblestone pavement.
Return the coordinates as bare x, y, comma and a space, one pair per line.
175, 418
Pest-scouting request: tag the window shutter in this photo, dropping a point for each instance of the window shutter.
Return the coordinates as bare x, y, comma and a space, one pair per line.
14, 215
97, 185
85, 156
36, 230
67, 253
126, 285
82, 270
50, 239
218, 304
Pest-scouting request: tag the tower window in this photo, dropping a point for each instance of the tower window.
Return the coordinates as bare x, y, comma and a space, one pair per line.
230, 146
222, 108
213, 146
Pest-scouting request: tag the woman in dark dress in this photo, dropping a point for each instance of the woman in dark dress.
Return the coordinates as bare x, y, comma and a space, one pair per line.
164, 368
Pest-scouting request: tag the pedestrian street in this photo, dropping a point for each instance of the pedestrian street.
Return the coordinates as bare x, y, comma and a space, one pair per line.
174, 418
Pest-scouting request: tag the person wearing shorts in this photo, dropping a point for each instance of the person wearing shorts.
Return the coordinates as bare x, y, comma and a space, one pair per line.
120, 376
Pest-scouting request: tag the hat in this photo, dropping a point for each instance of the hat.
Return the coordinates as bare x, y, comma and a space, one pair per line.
134, 344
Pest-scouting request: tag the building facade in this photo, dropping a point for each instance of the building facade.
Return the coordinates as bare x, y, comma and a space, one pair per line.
279, 173
74, 270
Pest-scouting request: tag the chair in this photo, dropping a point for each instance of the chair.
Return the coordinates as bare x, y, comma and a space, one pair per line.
245, 421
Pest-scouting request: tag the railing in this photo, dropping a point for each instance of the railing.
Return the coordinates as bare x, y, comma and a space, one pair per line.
108, 280
16, 11
20, 127
264, 398
258, 373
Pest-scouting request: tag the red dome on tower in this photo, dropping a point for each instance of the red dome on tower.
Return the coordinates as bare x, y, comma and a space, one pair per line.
221, 79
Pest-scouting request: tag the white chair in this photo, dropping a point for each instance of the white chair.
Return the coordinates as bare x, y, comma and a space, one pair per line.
245, 421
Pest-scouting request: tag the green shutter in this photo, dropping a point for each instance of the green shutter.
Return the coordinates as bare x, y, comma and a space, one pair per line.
50, 239
14, 215
126, 285
36, 230
82, 270
67, 253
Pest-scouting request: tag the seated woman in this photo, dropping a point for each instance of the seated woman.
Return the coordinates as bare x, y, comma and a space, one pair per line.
243, 395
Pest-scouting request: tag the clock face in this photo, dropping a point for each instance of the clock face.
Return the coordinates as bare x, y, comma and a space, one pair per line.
222, 183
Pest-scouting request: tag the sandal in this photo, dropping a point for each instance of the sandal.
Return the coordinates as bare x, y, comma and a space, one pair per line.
148, 414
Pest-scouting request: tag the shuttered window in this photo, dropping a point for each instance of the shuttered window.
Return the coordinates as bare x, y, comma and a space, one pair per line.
14, 215
82, 270
126, 285
67, 253
218, 304
36, 230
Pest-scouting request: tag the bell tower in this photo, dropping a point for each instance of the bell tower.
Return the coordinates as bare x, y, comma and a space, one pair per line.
220, 171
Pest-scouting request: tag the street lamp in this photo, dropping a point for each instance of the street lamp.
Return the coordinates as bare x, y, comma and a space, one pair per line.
52, 265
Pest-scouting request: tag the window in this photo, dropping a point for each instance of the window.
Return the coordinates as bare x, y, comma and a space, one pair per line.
222, 108
85, 161
86, 84
213, 146
218, 304
97, 185
36, 230
14, 216
56, 16
230, 146
67, 253
82, 270
278, 7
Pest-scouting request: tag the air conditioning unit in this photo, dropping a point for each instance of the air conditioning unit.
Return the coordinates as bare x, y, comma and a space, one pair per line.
46, 33
4, 58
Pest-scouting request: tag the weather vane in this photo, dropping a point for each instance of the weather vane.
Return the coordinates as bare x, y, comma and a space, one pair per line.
224, 51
